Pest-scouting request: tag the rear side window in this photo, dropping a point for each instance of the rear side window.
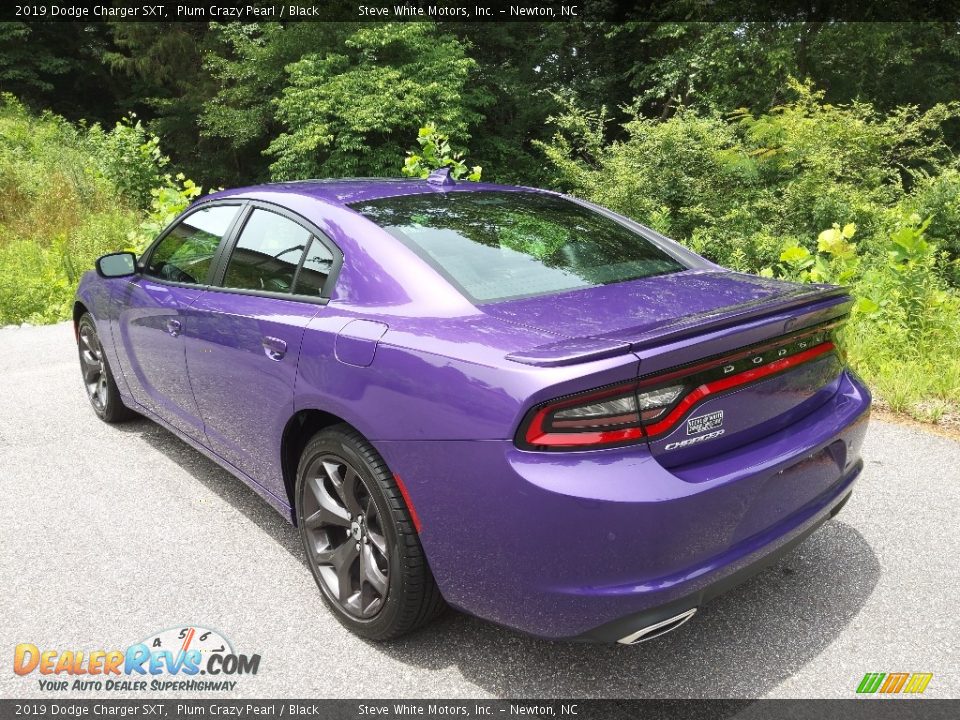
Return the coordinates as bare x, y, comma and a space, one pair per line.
267, 253
187, 251
494, 245
316, 268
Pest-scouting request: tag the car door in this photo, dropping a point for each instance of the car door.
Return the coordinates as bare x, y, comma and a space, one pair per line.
243, 337
151, 320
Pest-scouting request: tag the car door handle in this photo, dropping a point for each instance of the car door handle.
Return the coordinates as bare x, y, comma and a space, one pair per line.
275, 348
173, 327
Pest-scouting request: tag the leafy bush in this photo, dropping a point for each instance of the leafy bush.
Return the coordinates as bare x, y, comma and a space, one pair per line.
835, 261
755, 192
166, 202
904, 335
435, 153
129, 157
740, 188
350, 112
68, 195
937, 196
33, 286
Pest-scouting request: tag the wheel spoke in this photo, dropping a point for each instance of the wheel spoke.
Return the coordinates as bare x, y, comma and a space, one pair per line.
326, 516
374, 530
370, 573
325, 556
91, 376
378, 541
351, 484
334, 472
93, 367
89, 351
87, 343
329, 512
343, 560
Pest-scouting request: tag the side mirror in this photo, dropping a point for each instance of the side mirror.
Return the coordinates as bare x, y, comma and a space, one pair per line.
115, 265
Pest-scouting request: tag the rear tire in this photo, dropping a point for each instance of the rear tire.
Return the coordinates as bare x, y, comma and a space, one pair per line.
102, 391
359, 538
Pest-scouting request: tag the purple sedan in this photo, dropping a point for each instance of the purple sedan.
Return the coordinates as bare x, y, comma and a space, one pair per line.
497, 398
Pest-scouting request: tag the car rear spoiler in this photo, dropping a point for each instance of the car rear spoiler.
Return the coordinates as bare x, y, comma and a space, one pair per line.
835, 302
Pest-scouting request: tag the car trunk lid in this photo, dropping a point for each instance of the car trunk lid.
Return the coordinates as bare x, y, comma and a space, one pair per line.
753, 354
612, 319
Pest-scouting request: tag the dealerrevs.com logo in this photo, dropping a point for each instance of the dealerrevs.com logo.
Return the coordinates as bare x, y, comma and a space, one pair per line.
187, 658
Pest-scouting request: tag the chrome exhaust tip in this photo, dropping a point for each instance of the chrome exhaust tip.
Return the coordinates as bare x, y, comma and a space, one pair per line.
657, 629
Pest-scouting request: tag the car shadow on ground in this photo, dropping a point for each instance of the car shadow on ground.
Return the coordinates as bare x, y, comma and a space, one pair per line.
219, 481
741, 644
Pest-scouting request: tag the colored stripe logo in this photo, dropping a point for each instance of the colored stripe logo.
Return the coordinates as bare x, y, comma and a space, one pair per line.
894, 683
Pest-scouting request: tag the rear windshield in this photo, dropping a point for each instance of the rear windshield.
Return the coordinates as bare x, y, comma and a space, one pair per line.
495, 245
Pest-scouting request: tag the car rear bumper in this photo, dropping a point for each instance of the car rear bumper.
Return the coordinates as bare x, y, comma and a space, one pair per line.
653, 622
595, 545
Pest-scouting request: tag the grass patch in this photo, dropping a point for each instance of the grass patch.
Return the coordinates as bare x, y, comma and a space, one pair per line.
69, 194
58, 213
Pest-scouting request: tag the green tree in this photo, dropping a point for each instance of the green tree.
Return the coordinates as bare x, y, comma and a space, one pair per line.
168, 86
248, 62
27, 65
350, 112
60, 67
746, 64
524, 67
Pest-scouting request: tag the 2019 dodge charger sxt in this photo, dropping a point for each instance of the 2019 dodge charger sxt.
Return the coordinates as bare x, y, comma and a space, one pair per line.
499, 398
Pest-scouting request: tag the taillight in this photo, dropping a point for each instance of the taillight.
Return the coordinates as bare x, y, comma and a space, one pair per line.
651, 406
602, 418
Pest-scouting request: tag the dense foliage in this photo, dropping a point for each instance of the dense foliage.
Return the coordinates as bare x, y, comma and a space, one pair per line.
219, 95
69, 194
849, 173
785, 193
737, 186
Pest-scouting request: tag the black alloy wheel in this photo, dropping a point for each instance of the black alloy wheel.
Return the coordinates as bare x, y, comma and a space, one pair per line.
343, 531
360, 539
102, 391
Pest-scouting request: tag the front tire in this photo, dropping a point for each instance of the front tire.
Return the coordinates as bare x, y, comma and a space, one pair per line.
359, 538
102, 391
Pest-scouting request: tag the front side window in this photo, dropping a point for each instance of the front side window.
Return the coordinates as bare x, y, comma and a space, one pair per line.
267, 253
494, 245
187, 251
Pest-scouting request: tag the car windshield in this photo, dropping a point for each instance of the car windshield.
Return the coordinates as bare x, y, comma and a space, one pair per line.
495, 245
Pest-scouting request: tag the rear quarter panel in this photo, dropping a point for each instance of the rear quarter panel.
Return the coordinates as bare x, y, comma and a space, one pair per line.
436, 378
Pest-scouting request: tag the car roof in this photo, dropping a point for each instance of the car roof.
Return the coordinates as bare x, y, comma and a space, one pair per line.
343, 191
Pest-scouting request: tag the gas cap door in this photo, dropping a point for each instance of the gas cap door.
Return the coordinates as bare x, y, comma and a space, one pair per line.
357, 341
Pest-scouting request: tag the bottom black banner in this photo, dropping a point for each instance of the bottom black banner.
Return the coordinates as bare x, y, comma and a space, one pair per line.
853, 709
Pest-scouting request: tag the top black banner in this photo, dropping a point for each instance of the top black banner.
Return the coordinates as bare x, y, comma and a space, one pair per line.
616, 11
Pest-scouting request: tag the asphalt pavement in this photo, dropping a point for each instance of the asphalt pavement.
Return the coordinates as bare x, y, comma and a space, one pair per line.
109, 534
